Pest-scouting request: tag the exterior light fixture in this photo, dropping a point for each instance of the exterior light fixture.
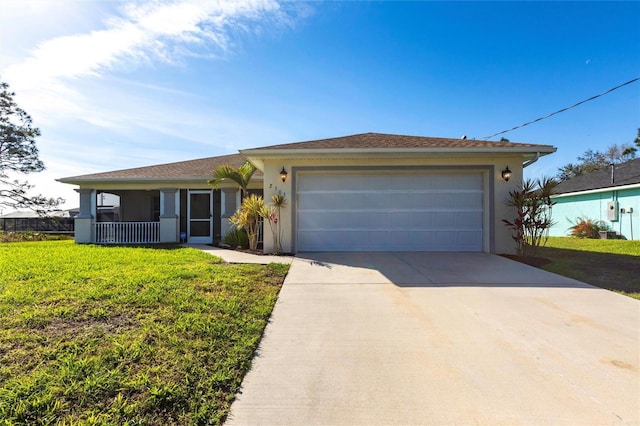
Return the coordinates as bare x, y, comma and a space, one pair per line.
506, 174
283, 174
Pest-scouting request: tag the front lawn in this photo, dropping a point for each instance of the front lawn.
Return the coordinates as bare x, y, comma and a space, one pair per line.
610, 264
117, 335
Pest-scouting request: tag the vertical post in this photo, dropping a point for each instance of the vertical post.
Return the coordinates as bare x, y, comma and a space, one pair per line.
84, 222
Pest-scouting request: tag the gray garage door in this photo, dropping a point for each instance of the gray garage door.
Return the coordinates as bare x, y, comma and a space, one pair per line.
389, 211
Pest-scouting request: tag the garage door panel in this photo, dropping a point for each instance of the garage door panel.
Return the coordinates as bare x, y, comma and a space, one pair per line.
469, 220
391, 211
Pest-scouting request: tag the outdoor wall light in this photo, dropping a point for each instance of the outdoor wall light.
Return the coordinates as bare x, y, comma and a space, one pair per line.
283, 174
506, 174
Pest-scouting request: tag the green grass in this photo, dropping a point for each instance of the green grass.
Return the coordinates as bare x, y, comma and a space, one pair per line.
120, 335
610, 264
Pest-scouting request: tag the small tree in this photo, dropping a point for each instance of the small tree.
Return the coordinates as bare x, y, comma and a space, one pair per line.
271, 214
19, 154
240, 176
533, 220
248, 216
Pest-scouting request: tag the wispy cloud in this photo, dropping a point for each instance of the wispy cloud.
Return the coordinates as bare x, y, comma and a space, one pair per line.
142, 33
83, 86
156, 31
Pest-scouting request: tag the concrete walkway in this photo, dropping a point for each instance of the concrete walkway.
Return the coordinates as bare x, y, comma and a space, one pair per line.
234, 256
441, 338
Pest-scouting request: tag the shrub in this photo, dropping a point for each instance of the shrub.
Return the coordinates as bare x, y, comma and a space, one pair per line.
532, 201
248, 218
13, 237
588, 228
237, 238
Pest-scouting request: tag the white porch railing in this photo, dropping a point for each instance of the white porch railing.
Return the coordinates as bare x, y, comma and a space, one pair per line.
127, 232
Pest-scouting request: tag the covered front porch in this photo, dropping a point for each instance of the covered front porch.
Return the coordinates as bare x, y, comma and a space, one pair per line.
152, 216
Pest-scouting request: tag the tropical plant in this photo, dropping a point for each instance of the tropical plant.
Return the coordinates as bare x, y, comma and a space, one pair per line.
247, 217
588, 228
237, 238
533, 204
271, 214
240, 176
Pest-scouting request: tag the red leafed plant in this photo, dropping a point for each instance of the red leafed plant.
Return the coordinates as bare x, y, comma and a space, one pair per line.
588, 228
533, 206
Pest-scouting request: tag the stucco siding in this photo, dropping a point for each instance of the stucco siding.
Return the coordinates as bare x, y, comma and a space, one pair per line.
629, 223
594, 206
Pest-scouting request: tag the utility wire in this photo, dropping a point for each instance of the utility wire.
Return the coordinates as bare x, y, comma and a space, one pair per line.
563, 109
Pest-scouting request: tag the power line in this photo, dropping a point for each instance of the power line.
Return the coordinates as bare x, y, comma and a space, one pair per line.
563, 109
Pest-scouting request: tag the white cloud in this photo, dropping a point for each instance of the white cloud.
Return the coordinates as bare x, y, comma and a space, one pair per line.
147, 30
73, 81
143, 32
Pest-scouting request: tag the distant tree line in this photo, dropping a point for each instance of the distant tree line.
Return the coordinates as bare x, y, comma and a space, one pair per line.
592, 160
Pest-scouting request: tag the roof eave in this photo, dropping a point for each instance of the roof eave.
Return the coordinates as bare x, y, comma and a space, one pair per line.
257, 156
88, 181
597, 190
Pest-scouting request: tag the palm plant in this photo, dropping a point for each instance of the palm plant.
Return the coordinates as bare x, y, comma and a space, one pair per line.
248, 216
240, 176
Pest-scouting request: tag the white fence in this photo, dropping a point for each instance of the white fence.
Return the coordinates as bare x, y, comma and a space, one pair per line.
127, 232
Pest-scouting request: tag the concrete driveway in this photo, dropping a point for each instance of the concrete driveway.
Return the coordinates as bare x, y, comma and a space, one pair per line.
441, 338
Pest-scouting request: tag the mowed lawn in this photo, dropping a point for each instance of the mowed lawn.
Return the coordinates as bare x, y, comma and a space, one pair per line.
610, 264
121, 335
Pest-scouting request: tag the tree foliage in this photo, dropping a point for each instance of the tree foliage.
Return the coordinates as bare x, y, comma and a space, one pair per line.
18, 155
592, 160
240, 176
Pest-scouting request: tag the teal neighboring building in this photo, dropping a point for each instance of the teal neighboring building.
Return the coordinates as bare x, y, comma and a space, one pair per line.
611, 195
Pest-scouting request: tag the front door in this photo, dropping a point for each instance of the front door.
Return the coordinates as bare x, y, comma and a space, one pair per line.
200, 214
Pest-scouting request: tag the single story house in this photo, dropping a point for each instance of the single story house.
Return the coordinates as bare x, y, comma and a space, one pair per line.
611, 195
364, 192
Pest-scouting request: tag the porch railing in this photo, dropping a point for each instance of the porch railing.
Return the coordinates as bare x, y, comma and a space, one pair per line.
127, 232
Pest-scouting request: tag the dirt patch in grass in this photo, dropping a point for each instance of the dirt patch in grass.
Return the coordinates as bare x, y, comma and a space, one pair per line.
63, 328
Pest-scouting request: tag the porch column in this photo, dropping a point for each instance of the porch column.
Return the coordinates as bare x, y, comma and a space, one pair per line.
168, 215
229, 204
84, 222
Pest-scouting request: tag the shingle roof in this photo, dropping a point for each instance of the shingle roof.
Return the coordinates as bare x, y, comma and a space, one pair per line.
202, 168
184, 170
627, 173
382, 140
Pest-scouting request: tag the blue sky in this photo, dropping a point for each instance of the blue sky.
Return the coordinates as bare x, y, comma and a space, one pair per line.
116, 84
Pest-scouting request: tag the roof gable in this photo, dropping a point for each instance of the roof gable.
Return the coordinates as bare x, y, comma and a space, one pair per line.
627, 173
382, 141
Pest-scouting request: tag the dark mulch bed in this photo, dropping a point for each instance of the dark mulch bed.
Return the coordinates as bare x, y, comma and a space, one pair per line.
538, 262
